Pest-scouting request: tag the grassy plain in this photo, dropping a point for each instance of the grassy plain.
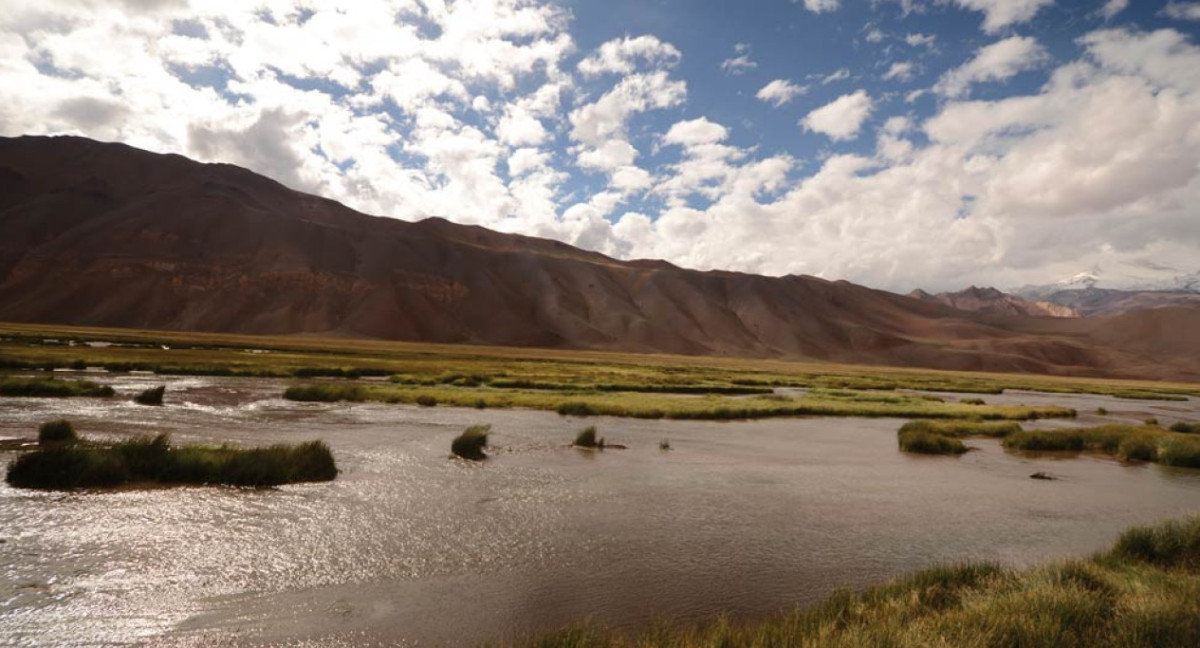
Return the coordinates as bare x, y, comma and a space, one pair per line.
1142, 593
523, 370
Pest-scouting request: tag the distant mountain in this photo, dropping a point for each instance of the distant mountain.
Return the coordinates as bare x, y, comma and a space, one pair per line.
109, 235
1095, 294
1102, 302
994, 302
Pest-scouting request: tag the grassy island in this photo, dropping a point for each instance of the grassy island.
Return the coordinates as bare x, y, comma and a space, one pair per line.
64, 462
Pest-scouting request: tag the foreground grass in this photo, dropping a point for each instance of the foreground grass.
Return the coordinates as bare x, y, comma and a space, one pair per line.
524, 369
1125, 442
585, 402
51, 387
77, 464
1142, 593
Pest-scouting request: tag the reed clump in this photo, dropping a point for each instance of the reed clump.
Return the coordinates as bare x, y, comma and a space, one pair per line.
156, 460
1125, 442
471, 443
56, 432
152, 396
587, 438
52, 388
325, 392
943, 437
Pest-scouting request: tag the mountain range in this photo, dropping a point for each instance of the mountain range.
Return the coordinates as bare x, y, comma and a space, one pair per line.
105, 234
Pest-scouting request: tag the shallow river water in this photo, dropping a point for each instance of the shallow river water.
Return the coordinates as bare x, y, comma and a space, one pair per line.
410, 547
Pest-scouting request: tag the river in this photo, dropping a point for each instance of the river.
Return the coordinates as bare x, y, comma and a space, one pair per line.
410, 547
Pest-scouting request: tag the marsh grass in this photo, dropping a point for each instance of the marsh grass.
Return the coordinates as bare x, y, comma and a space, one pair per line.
922, 441
1140, 594
155, 460
673, 406
943, 437
52, 388
152, 396
22, 346
325, 392
56, 432
1125, 442
1185, 428
471, 443
587, 438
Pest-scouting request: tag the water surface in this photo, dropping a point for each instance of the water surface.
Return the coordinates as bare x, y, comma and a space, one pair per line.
411, 547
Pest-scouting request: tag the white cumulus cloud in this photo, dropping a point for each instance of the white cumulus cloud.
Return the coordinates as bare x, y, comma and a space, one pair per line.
999, 61
841, 118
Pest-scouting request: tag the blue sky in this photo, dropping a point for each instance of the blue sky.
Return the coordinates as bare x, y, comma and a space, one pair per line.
895, 143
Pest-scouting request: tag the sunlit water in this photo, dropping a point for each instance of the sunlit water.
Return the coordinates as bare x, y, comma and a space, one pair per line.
409, 546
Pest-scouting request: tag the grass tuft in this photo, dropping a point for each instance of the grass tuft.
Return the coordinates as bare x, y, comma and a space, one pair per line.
587, 438
154, 459
922, 441
426, 401
152, 396
575, 409
470, 444
56, 432
1186, 428
1171, 544
325, 392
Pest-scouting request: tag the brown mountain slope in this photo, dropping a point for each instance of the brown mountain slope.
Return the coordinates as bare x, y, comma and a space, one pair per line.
994, 302
104, 234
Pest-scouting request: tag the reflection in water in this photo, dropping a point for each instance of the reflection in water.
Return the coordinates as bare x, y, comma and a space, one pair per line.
744, 517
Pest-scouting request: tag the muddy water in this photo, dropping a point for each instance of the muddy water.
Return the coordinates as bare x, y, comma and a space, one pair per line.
410, 547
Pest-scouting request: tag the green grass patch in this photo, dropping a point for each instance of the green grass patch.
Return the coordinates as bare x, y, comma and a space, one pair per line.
943, 437
926, 442
471, 443
23, 346
1140, 594
56, 432
1125, 442
155, 460
676, 406
52, 388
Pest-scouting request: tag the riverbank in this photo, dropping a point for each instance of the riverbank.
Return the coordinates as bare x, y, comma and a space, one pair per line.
1142, 593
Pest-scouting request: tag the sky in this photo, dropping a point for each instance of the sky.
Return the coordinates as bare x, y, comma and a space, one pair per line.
893, 143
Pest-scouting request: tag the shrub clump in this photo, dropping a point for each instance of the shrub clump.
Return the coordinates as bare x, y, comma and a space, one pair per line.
54, 432
587, 438
327, 393
470, 444
152, 396
924, 441
52, 388
1175, 543
575, 408
425, 400
154, 459
1185, 428
1045, 440
972, 401
1180, 451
